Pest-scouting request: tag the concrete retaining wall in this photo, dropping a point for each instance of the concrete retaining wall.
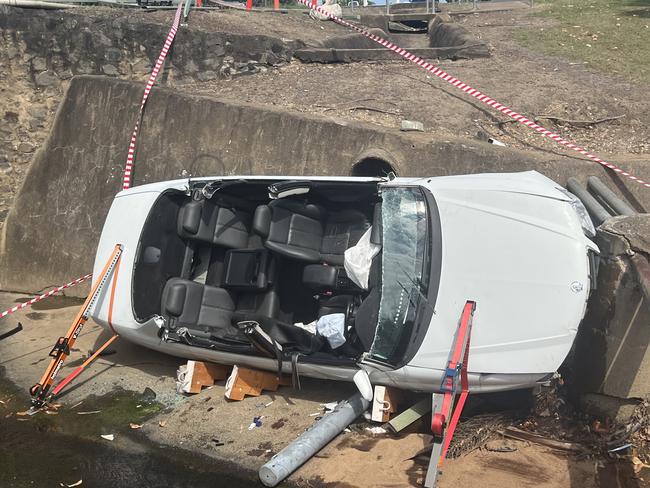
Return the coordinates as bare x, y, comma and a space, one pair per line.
612, 354
52, 229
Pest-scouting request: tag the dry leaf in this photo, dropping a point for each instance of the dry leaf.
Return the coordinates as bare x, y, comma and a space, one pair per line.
162, 423
135, 426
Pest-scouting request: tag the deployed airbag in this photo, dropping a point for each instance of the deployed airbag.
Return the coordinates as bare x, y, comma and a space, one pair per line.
358, 258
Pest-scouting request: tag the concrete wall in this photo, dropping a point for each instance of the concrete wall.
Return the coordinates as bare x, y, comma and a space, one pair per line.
612, 354
52, 229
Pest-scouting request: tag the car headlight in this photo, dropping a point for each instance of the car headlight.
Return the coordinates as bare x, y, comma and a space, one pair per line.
580, 210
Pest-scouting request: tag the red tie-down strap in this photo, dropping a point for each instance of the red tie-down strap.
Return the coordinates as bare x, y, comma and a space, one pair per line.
449, 387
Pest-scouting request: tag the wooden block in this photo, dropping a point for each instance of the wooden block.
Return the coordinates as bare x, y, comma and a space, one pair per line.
407, 417
384, 403
200, 374
251, 382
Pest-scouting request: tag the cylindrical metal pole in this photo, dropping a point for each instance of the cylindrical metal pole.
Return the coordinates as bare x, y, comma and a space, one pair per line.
311, 441
618, 205
598, 213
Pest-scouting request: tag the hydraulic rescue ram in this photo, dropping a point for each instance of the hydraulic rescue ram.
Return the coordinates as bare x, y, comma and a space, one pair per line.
41, 391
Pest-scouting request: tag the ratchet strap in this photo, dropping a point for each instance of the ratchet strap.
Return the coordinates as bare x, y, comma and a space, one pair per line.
61, 350
456, 370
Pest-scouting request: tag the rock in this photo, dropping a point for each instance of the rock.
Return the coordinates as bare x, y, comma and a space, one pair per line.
46, 78
411, 125
207, 75
191, 67
86, 68
210, 63
25, 147
112, 54
11, 117
5, 167
39, 64
66, 74
11, 52
110, 70
148, 395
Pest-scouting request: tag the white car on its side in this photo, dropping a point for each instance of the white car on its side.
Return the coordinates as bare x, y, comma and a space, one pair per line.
240, 270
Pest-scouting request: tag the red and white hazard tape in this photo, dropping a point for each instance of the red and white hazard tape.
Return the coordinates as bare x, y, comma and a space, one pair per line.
475, 93
128, 168
44, 295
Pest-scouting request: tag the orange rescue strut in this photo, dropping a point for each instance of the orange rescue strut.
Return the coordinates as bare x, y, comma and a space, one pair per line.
61, 350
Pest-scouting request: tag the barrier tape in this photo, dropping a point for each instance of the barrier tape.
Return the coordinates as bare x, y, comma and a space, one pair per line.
44, 295
475, 93
128, 168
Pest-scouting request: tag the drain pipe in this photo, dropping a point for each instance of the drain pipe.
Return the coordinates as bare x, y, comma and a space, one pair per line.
313, 440
610, 198
36, 4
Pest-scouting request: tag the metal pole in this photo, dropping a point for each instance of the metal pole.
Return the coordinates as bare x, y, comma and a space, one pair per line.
387, 8
313, 440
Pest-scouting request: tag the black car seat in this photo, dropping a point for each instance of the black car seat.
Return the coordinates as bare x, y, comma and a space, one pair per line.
219, 221
308, 232
206, 311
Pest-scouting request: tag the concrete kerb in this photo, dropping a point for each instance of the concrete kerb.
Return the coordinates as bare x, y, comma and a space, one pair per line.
52, 230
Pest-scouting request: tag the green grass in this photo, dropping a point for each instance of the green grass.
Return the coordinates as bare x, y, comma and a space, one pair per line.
610, 36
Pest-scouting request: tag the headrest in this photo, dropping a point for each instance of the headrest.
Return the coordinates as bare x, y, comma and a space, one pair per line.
190, 216
175, 299
262, 221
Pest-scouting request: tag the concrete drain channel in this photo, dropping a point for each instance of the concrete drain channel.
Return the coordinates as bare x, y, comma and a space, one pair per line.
424, 35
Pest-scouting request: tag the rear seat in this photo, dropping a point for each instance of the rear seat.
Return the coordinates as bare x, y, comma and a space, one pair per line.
190, 304
219, 222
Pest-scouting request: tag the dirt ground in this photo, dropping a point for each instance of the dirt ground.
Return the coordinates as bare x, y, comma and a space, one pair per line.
534, 84
209, 425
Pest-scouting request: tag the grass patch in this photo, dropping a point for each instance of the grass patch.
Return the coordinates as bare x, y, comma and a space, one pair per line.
610, 36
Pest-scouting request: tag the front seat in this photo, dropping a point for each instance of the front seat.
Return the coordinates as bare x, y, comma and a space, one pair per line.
308, 232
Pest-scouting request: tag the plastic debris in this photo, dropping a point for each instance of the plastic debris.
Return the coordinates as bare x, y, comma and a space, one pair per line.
411, 125
376, 430
71, 485
257, 422
329, 406
108, 437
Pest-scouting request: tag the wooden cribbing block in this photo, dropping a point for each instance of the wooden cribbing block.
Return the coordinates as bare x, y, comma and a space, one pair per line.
384, 403
246, 381
199, 374
407, 417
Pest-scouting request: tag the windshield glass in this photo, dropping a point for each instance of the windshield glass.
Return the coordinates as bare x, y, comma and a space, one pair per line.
404, 244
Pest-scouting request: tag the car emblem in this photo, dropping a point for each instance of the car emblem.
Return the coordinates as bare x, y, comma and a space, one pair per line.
576, 287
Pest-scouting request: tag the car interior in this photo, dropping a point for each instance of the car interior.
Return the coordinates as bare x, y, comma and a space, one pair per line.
240, 265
